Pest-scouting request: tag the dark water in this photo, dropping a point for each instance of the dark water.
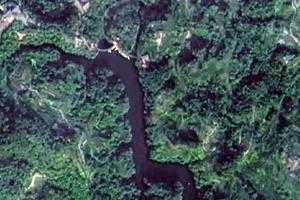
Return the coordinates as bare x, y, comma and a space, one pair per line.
154, 172
145, 168
124, 69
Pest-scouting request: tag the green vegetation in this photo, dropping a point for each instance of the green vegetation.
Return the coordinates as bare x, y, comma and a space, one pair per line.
215, 95
226, 104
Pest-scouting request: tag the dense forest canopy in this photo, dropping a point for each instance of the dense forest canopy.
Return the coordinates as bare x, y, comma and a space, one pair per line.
218, 83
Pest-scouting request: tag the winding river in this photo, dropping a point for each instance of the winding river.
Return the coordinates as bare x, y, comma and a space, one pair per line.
145, 168
124, 69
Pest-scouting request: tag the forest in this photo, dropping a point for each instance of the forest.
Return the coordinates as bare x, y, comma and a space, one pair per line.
149, 99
